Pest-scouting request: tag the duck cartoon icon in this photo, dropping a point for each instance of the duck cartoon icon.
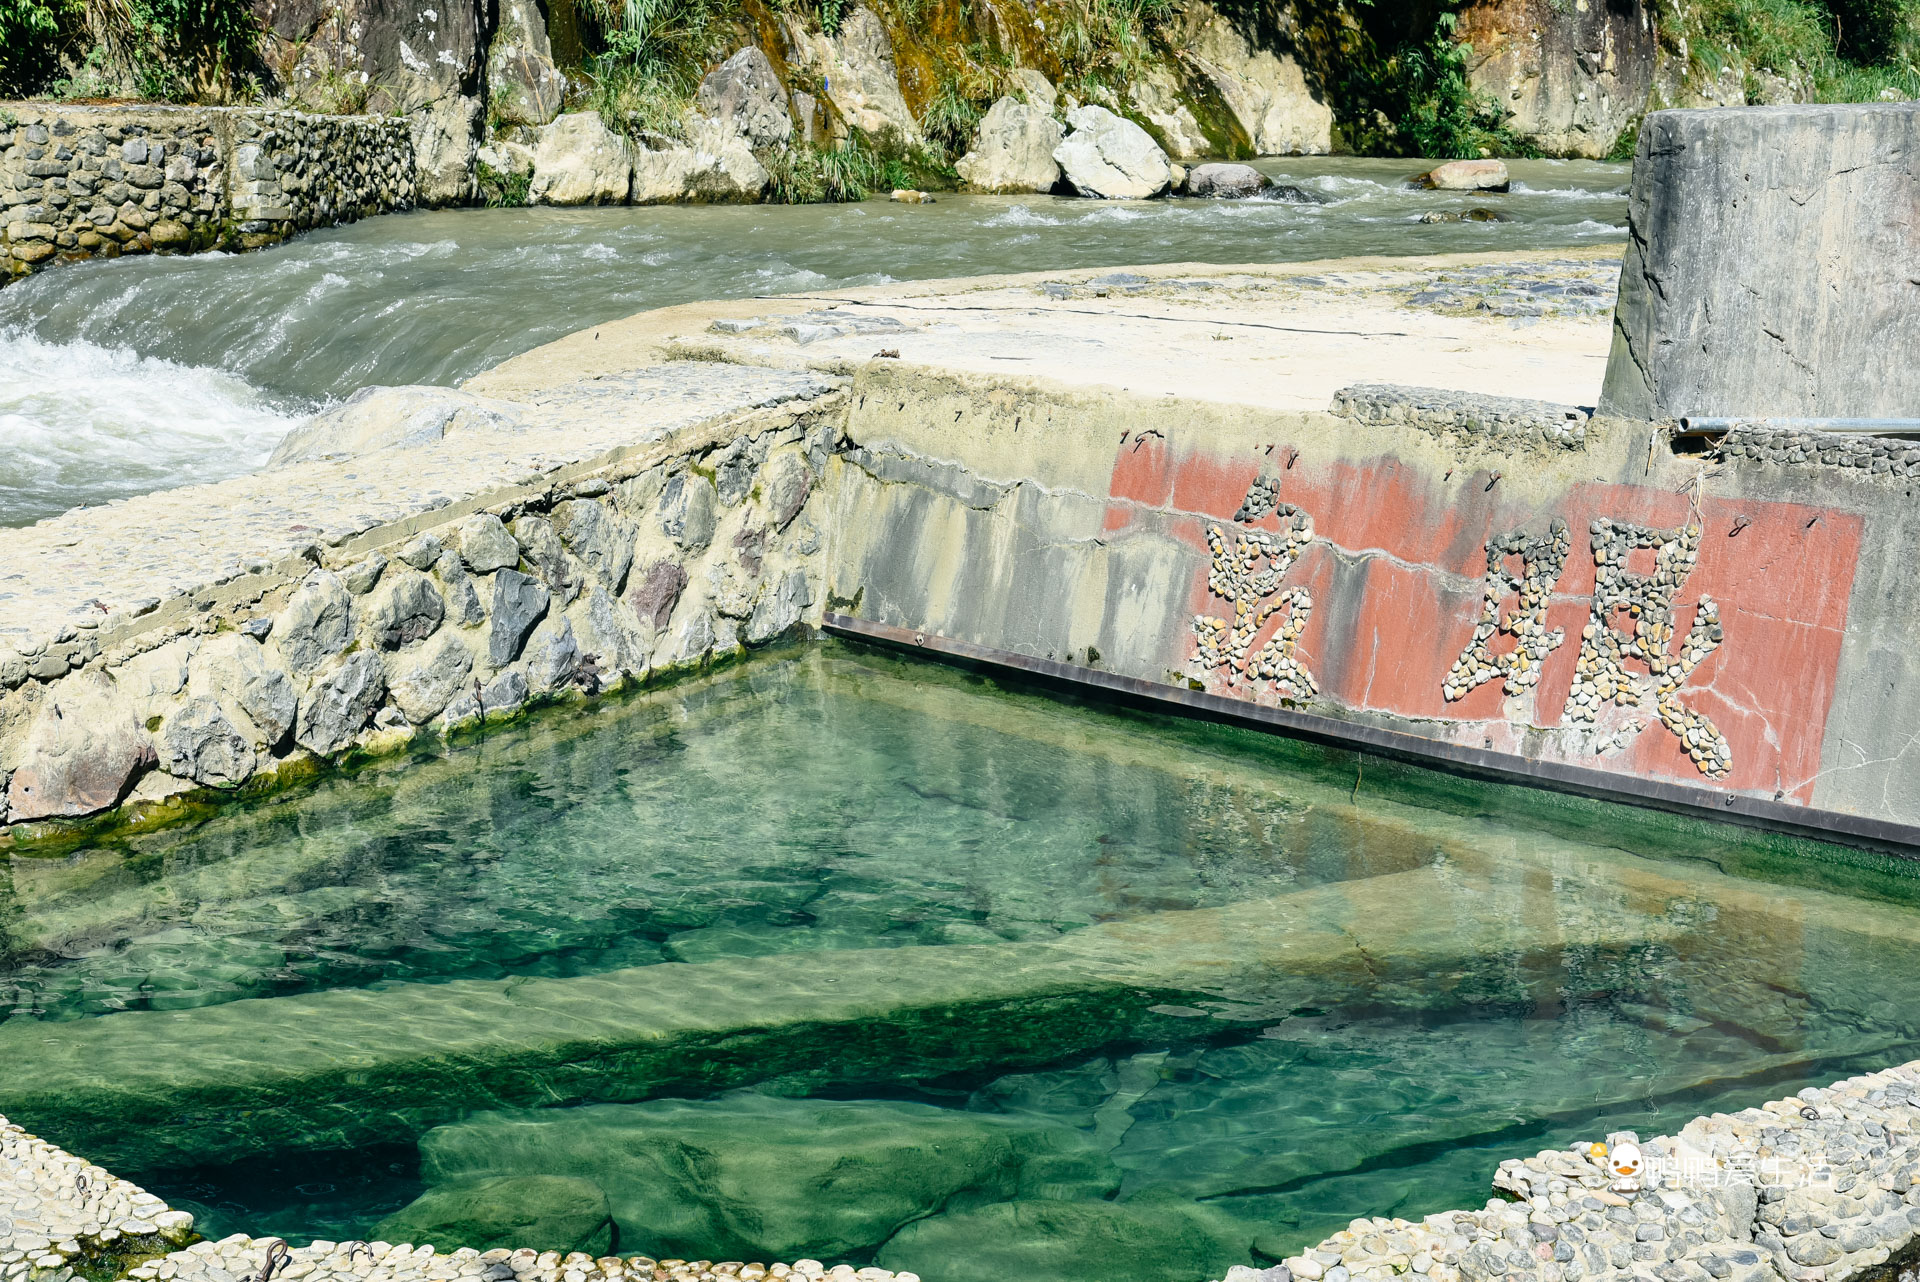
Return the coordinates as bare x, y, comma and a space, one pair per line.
1626, 1166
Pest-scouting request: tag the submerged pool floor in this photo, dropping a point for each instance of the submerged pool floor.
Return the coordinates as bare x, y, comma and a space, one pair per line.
836, 955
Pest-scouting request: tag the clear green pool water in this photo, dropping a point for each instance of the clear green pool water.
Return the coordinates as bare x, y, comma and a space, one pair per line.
833, 954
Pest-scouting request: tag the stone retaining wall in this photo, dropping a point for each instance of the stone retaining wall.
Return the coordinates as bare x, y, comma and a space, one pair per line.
336, 606
79, 182
1556, 590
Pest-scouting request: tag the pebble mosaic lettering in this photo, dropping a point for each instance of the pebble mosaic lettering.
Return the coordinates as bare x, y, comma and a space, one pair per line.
1632, 618
1236, 576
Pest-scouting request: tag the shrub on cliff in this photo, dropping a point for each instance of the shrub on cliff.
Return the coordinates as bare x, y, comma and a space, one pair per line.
32, 33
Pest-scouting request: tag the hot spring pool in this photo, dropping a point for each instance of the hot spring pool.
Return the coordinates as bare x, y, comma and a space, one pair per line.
832, 954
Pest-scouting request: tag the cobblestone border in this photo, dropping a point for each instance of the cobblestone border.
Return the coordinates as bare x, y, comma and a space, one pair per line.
427, 590
1880, 455
1820, 1187
1502, 421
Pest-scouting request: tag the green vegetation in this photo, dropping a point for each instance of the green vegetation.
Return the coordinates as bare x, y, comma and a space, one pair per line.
1105, 45
502, 190
854, 170
160, 50
1839, 50
647, 58
1399, 86
31, 35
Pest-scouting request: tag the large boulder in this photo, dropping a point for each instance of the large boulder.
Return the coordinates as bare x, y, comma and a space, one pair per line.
1467, 175
752, 1177
1148, 1240
1225, 181
1013, 150
1770, 265
543, 1212
1109, 157
1267, 92
579, 161
523, 85
373, 55
856, 68
378, 418
446, 134
715, 166
744, 95
83, 752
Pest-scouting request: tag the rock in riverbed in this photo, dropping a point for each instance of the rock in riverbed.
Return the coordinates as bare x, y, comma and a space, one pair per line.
1225, 182
751, 1177
1109, 157
1466, 175
1013, 150
545, 1212
579, 161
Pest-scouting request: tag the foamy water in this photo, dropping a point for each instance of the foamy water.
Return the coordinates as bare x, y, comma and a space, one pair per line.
124, 376
85, 424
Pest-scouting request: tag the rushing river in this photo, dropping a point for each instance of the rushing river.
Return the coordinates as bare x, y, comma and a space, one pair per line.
132, 375
839, 955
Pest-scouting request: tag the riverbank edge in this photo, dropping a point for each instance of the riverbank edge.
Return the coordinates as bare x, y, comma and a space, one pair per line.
80, 182
1829, 1175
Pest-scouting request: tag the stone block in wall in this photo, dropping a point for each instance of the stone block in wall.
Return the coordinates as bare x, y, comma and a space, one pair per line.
1770, 266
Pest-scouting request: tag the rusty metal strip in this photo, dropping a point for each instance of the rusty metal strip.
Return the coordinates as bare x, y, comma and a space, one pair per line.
1900, 840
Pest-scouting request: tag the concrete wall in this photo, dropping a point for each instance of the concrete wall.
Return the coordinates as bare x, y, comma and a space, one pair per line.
1773, 265
1751, 637
79, 182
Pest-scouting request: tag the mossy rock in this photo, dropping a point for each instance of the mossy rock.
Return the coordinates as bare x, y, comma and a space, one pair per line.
1149, 1240
545, 1212
751, 1176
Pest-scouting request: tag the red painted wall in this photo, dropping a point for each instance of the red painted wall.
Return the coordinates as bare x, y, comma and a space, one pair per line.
1384, 635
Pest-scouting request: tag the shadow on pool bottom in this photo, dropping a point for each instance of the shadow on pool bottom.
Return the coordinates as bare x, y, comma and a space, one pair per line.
1165, 1164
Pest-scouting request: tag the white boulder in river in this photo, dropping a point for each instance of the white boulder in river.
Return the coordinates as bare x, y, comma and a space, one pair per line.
1112, 158
1013, 150
579, 161
714, 165
1220, 181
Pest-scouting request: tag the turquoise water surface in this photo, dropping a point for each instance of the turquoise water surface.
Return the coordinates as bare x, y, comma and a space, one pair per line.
834, 954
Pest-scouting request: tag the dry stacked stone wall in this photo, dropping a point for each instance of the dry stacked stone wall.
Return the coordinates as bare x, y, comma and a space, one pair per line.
81, 182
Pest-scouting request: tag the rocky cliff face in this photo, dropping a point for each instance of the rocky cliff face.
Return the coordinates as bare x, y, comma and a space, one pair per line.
1573, 75
425, 60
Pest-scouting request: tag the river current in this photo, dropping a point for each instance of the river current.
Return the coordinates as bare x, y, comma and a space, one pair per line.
136, 374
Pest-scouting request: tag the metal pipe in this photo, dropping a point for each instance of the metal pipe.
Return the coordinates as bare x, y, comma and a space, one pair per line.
1699, 424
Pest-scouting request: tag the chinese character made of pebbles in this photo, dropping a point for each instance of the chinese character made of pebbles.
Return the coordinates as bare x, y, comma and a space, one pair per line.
1247, 572
1647, 601
1542, 558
